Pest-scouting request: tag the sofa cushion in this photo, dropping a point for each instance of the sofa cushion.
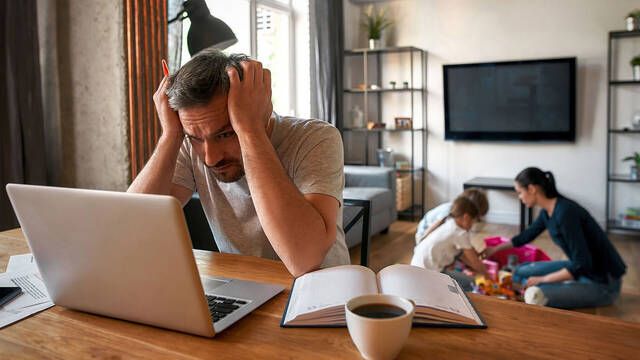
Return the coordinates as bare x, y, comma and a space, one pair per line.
381, 198
369, 176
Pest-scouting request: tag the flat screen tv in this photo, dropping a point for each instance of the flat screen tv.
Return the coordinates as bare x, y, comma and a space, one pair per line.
531, 100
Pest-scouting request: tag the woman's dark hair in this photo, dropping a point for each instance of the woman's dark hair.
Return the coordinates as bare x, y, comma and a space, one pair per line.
535, 176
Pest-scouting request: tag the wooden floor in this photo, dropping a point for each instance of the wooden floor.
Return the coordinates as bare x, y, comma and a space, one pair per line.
397, 247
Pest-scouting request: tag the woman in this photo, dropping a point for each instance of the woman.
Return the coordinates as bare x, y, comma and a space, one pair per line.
592, 274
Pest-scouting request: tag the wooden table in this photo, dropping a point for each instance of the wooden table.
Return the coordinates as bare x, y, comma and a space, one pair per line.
515, 330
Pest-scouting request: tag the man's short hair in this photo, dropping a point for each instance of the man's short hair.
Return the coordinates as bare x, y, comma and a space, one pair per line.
203, 77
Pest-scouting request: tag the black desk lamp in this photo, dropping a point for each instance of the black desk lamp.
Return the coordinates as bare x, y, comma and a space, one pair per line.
206, 30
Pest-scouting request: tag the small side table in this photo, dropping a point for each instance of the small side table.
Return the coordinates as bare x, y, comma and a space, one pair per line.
354, 210
504, 184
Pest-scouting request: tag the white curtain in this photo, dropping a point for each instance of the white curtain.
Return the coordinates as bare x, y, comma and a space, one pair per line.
175, 35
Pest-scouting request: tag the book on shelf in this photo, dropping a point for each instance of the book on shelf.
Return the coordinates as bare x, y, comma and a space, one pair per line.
631, 218
318, 298
632, 213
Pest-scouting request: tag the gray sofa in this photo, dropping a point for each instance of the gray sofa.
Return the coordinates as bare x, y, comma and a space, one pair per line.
378, 185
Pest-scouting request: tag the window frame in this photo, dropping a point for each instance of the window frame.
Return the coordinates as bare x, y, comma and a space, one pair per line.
289, 11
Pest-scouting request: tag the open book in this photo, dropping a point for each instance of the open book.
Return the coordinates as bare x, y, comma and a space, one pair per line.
318, 298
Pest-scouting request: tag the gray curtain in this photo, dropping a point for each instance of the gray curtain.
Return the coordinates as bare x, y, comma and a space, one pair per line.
327, 45
22, 147
48, 30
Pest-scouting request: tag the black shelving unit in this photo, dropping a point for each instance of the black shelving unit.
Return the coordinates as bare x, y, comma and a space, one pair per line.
624, 131
613, 133
417, 132
381, 90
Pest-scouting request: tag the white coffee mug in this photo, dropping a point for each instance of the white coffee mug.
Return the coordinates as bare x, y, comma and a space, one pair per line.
379, 338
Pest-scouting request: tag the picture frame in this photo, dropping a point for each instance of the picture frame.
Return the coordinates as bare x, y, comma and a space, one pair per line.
403, 122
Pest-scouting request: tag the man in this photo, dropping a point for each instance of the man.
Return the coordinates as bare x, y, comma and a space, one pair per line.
270, 186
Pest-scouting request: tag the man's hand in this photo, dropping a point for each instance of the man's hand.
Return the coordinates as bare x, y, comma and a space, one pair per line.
249, 100
156, 176
169, 119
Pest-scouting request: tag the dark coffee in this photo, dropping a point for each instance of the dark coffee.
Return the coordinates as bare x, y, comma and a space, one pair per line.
379, 311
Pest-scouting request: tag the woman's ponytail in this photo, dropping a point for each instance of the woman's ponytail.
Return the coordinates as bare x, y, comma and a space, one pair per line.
535, 176
550, 187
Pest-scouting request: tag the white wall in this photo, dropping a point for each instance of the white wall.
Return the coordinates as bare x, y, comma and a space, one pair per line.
462, 31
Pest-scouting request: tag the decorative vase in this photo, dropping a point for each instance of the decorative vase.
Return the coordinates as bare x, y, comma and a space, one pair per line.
634, 174
632, 23
385, 157
636, 72
635, 121
357, 118
374, 44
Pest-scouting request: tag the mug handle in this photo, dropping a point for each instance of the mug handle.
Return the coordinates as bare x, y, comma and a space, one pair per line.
413, 303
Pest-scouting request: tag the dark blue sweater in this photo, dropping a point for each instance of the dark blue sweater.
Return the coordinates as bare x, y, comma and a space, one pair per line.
583, 241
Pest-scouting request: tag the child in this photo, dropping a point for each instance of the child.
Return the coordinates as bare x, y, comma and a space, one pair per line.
448, 240
477, 197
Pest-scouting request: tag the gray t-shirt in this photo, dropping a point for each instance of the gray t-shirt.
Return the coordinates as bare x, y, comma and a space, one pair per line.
311, 153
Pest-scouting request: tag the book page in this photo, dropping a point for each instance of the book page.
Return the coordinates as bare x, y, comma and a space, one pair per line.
427, 288
329, 287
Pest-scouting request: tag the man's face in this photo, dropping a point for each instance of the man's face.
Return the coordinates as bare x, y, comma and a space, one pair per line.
212, 137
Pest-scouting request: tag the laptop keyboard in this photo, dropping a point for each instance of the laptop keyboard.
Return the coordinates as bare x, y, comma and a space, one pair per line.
220, 307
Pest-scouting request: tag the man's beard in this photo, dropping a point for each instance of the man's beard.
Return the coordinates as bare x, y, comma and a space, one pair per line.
233, 171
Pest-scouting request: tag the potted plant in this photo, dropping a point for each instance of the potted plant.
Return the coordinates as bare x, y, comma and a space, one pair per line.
375, 22
635, 65
635, 169
633, 20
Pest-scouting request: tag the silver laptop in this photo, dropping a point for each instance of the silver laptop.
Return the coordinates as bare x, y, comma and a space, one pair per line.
127, 256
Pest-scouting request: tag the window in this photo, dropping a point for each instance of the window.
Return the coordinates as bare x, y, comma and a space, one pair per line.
274, 51
276, 33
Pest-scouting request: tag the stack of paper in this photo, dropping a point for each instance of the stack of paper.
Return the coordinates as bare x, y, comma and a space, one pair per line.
22, 271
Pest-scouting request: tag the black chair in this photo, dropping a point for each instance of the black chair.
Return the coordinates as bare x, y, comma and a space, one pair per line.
199, 230
202, 238
354, 211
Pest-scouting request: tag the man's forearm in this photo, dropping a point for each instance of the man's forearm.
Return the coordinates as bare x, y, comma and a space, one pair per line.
156, 176
295, 229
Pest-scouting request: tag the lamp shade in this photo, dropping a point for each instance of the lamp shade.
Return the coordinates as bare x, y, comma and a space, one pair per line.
206, 30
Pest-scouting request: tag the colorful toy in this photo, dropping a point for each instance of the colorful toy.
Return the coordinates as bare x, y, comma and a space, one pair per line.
502, 289
526, 253
500, 267
492, 269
